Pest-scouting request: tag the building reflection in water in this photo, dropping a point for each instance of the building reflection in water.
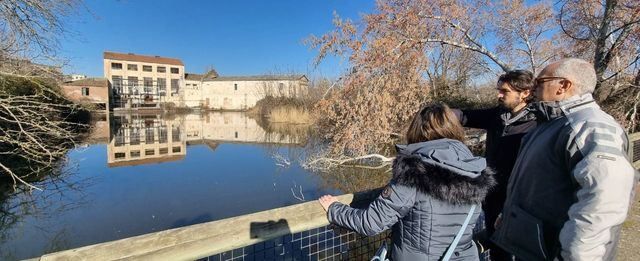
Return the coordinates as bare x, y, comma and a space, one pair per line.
137, 139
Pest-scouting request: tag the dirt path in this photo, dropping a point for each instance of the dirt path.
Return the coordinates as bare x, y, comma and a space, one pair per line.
629, 247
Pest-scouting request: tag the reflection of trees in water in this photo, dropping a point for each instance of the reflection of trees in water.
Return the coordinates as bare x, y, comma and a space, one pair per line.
353, 179
276, 132
61, 193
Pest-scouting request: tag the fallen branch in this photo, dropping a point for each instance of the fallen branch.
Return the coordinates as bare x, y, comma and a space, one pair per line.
327, 163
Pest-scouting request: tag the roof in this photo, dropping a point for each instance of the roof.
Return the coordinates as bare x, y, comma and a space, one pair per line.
210, 75
142, 58
262, 78
145, 161
93, 82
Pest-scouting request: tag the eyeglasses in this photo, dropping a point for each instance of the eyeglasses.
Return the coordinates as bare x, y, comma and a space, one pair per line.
540, 80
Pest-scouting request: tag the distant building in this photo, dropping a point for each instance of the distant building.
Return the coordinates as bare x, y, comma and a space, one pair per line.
88, 90
243, 92
140, 81
75, 77
193, 88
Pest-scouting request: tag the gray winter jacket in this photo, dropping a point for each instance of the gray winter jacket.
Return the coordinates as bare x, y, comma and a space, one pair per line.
433, 187
571, 185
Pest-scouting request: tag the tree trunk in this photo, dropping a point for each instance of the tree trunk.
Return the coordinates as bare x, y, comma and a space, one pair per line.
602, 55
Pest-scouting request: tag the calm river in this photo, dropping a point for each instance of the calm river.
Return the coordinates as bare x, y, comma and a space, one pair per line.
138, 174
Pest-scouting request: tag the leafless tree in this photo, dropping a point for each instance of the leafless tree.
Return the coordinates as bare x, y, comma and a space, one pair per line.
37, 123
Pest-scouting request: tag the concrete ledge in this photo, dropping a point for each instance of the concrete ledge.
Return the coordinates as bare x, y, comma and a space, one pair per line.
206, 239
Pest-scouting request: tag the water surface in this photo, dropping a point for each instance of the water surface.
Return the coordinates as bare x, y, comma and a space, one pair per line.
144, 173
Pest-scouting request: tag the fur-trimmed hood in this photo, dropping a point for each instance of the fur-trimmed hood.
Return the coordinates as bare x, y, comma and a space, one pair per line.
422, 165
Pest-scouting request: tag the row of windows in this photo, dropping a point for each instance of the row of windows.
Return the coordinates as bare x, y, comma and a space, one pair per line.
148, 152
145, 68
146, 81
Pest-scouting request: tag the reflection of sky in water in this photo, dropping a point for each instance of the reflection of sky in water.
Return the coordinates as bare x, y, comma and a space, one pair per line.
99, 204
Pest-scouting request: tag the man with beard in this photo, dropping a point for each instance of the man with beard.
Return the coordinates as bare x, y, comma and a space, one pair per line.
505, 124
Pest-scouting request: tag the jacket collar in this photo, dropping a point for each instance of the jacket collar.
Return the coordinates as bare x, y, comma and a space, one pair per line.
551, 110
526, 114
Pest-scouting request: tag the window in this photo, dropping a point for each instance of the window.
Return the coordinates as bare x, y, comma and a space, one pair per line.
161, 69
236, 134
120, 155
147, 68
117, 83
175, 88
85, 91
148, 136
116, 66
175, 134
135, 153
134, 136
163, 151
149, 152
281, 89
235, 86
175, 149
162, 86
162, 135
132, 82
175, 70
132, 67
119, 139
148, 84
188, 84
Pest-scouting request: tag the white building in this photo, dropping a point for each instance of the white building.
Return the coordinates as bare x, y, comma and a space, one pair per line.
139, 81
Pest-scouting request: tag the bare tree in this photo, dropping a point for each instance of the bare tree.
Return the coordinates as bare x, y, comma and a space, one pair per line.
37, 123
603, 31
33, 27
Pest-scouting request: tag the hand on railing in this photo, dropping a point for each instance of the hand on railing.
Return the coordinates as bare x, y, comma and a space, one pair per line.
326, 201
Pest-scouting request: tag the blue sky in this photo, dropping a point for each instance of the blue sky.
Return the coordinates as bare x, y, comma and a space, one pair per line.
239, 37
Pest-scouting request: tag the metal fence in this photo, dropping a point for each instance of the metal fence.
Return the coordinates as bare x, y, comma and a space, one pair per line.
323, 243
634, 149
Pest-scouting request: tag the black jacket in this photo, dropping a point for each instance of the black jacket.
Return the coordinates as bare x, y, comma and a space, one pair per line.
504, 134
425, 206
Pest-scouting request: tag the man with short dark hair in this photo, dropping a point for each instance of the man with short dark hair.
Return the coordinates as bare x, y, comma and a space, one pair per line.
571, 185
505, 124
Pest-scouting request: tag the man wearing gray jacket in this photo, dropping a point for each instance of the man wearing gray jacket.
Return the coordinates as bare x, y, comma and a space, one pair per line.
571, 185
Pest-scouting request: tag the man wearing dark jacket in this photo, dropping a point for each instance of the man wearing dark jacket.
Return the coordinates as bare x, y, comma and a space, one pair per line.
505, 126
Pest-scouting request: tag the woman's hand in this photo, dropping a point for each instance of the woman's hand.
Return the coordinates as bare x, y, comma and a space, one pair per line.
326, 201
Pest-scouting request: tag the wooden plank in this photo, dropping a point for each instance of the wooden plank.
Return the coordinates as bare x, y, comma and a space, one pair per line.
206, 239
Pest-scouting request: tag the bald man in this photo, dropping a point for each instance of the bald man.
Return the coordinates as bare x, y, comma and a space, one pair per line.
571, 185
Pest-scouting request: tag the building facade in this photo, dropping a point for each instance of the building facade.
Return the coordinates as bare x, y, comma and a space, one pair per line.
139, 81
243, 92
88, 91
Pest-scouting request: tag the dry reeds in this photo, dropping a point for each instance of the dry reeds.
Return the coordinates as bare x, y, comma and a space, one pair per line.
290, 114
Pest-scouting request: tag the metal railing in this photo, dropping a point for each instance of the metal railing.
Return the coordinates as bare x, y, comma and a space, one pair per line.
634, 149
299, 232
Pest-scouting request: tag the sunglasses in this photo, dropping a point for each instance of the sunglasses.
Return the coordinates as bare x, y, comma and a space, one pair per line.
540, 80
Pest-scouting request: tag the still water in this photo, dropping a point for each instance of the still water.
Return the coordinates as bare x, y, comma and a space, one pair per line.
138, 174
